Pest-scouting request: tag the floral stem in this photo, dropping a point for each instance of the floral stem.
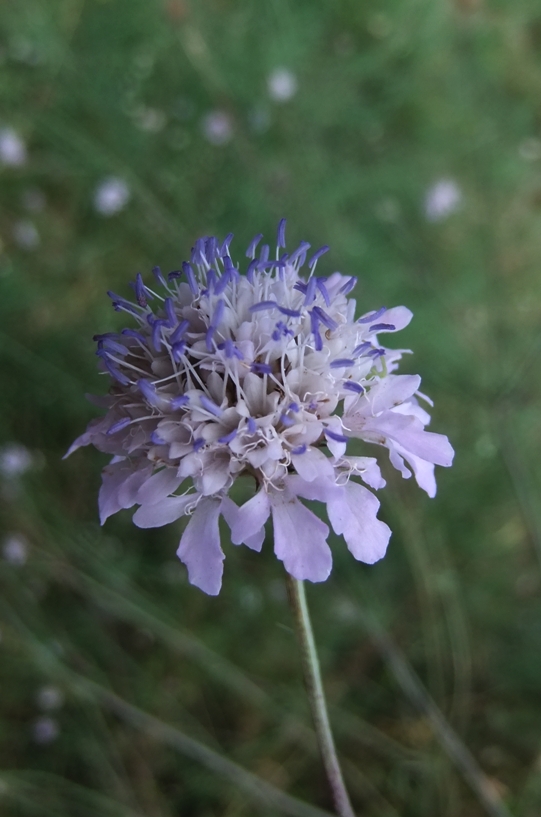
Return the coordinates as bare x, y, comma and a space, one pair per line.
316, 695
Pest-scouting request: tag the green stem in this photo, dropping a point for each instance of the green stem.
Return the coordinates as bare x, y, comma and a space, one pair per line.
316, 695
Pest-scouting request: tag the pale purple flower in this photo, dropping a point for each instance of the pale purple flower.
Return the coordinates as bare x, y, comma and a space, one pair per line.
442, 199
15, 549
12, 148
45, 730
15, 460
282, 85
266, 373
111, 196
26, 235
217, 127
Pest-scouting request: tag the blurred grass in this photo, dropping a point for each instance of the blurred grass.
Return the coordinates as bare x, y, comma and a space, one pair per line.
391, 97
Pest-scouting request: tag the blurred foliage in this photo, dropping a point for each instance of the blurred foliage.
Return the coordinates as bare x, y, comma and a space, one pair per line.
392, 97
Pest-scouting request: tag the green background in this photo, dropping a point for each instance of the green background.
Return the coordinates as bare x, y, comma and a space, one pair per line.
392, 97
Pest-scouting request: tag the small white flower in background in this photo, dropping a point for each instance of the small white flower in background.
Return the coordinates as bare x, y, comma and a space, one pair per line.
282, 85
217, 127
50, 698
15, 460
442, 199
25, 235
267, 374
12, 148
111, 196
15, 549
45, 730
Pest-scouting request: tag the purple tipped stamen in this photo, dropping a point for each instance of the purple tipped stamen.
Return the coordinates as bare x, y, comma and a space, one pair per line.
339, 438
317, 255
383, 327
179, 402
281, 238
351, 386
210, 406
250, 252
342, 363
263, 305
324, 318
228, 437
373, 315
261, 368
301, 449
118, 426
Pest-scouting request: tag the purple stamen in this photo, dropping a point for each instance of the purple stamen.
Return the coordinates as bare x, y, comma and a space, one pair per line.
301, 449
140, 290
263, 305
362, 348
252, 266
115, 372
324, 318
176, 273
223, 283
348, 286
211, 279
198, 444
342, 363
317, 255
148, 390
376, 353
281, 240
323, 289
339, 438
179, 402
170, 312
286, 421
230, 349
210, 249
292, 313
301, 250
351, 386
264, 254
190, 277
209, 405
198, 252
158, 275
118, 426
252, 425
218, 314
250, 252
209, 337
228, 437
111, 345
157, 334
373, 315
156, 439
261, 368
314, 325
310, 291
133, 333
179, 331
382, 327
293, 407
177, 350
224, 249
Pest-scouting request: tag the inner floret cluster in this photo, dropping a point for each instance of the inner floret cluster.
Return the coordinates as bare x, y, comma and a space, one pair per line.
266, 373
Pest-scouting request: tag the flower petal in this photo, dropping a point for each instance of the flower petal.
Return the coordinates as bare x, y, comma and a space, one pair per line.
200, 548
163, 512
312, 464
158, 486
250, 520
300, 538
352, 512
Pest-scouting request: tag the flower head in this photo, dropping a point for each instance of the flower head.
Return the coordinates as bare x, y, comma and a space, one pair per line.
266, 373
